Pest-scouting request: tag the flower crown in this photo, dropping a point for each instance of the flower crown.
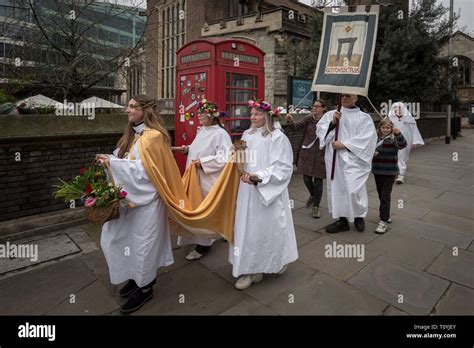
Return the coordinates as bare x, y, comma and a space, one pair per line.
265, 106
208, 108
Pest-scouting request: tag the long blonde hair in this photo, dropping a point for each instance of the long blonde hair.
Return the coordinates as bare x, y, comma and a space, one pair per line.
268, 127
151, 118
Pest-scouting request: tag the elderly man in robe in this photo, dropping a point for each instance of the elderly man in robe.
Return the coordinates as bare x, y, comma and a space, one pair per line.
355, 148
264, 235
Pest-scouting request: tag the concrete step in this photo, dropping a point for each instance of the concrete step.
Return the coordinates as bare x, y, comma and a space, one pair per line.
41, 223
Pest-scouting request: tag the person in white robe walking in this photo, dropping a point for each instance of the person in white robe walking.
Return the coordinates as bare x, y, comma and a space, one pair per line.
264, 235
347, 192
138, 243
402, 119
209, 150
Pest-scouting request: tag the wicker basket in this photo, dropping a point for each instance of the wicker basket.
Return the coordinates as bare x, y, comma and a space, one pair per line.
99, 215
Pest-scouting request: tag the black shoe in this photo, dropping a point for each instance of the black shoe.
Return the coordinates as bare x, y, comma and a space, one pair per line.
359, 224
137, 300
128, 289
338, 226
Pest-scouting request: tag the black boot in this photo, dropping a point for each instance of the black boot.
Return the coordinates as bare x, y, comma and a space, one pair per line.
139, 297
359, 224
128, 289
339, 226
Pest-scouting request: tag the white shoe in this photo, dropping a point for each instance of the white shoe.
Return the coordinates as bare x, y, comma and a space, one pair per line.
389, 220
194, 255
245, 281
283, 270
400, 179
382, 227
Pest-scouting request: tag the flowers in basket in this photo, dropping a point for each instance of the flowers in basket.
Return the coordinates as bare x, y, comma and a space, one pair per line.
101, 198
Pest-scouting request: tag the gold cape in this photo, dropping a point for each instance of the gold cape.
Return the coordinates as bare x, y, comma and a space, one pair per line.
188, 212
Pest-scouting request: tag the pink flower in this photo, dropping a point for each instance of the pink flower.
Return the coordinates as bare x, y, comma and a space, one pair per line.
123, 194
90, 202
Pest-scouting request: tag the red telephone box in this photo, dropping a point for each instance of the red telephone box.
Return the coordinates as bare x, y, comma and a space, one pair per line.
227, 72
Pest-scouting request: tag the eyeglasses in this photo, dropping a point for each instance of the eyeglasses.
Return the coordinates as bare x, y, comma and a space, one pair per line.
346, 96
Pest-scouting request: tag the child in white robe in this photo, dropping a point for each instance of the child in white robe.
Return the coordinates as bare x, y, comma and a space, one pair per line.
209, 150
404, 120
264, 235
138, 243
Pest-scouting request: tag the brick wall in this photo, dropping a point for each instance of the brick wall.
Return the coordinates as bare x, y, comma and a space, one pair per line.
26, 184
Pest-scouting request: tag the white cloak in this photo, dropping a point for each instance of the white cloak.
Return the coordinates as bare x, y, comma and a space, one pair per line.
212, 147
407, 125
138, 243
264, 234
347, 193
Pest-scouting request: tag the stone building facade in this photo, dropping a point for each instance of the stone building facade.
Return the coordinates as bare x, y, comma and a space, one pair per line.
272, 25
463, 50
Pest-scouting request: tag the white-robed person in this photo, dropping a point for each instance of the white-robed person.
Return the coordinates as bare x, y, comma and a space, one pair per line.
402, 119
138, 243
347, 192
209, 150
264, 235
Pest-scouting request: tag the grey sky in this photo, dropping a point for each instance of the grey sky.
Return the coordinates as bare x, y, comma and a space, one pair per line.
465, 7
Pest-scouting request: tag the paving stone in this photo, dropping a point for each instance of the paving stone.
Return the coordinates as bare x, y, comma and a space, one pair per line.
82, 238
38, 250
412, 251
249, 306
459, 300
92, 300
386, 280
314, 254
304, 236
409, 209
394, 311
272, 286
201, 289
458, 268
455, 222
38, 291
303, 218
435, 205
431, 231
325, 295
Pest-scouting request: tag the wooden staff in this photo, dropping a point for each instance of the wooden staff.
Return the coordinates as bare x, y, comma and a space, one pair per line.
333, 169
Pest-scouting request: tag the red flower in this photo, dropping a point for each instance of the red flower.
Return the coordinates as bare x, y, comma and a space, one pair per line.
82, 170
88, 189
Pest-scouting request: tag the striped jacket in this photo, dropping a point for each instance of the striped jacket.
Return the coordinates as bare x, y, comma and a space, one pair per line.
385, 160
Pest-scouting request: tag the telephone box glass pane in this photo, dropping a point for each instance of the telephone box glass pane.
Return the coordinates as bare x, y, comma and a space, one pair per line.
242, 81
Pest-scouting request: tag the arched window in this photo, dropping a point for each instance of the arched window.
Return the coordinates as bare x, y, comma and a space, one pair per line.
464, 71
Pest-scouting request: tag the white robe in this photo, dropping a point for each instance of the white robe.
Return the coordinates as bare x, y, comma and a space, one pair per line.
347, 193
212, 147
138, 243
407, 126
264, 234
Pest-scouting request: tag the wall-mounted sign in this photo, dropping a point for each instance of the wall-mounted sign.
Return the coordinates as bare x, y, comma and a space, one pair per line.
196, 57
243, 58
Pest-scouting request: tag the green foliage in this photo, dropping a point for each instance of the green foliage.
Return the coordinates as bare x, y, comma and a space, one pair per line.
92, 186
407, 65
306, 52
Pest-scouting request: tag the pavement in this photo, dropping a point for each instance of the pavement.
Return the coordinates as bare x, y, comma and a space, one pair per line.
422, 266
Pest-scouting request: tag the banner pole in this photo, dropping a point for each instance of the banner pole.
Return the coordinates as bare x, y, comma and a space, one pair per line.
333, 169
